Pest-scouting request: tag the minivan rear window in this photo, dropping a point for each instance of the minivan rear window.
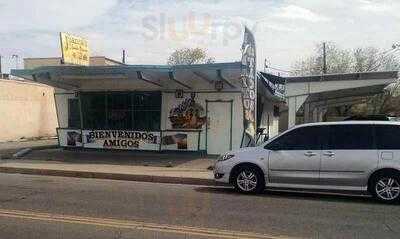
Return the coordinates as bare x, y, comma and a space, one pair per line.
387, 136
350, 137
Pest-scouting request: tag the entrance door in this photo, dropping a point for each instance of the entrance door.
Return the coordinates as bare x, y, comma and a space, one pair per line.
295, 157
219, 127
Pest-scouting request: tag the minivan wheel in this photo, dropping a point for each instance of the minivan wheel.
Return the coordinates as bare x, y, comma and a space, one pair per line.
386, 188
249, 179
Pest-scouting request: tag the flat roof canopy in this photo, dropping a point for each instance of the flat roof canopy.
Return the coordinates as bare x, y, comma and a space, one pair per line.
127, 77
317, 93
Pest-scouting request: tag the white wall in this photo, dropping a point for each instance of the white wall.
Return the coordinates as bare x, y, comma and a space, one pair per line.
62, 98
268, 120
169, 101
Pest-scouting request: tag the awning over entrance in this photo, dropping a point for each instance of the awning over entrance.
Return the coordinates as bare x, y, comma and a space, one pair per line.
149, 77
316, 93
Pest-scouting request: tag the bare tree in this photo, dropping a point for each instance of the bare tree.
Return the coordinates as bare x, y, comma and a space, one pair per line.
189, 56
356, 60
347, 60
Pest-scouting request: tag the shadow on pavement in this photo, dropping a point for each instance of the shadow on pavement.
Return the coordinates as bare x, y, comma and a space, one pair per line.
296, 195
119, 157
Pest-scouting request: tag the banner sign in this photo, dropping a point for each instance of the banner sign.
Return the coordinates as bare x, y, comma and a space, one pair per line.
74, 50
249, 85
109, 139
121, 139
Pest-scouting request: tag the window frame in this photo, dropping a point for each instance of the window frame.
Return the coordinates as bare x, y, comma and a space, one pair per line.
321, 140
70, 100
130, 109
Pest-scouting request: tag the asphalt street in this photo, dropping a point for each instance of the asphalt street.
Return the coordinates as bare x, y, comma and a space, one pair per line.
58, 207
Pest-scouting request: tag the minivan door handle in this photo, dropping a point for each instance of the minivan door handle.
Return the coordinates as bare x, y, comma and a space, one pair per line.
329, 153
309, 154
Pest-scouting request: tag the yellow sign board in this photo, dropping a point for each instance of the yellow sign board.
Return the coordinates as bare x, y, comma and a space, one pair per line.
74, 50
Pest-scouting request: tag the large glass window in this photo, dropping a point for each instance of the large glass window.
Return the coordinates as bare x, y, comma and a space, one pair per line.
351, 137
119, 111
387, 136
94, 110
122, 110
146, 111
305, 138
74, 118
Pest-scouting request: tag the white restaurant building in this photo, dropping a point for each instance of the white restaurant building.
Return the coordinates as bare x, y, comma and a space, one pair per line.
209, 108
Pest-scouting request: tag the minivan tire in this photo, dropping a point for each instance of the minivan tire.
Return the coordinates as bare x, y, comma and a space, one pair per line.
249, 179
386, 188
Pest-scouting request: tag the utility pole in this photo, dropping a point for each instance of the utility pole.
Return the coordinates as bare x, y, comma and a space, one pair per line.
265, 65
324, 58
16, 60
123, 56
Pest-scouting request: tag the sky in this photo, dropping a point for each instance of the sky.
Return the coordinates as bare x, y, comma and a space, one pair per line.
285, 30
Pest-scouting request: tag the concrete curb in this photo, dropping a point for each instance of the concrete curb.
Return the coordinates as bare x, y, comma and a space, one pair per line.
113, 176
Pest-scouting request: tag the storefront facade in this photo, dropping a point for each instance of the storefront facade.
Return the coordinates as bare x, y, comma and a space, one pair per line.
211, 108
196, 108
151, 117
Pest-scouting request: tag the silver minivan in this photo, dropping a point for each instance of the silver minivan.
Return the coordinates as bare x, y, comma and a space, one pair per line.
349, 155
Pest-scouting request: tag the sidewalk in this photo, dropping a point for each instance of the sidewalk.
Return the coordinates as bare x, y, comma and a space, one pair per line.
7, 149
164, 168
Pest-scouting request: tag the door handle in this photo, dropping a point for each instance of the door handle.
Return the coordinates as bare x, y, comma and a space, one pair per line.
329, 153
309, 154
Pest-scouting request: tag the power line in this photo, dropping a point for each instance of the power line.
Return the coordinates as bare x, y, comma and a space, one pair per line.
278, 69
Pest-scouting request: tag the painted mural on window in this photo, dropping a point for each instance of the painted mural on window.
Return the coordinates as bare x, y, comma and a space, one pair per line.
187, 115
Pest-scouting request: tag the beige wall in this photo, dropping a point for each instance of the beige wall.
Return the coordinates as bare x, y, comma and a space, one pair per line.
26, 110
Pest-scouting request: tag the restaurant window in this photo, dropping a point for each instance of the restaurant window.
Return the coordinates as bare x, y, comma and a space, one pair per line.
122, 110
74, 118
119, 112
94, 110
146, 110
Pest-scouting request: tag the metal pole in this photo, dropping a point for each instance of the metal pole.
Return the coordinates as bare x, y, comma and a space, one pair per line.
324, 57
123, 56
0, 64
16, 60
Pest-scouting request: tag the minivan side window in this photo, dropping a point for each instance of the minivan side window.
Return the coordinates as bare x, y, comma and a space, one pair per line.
387, 136
304, 138
351, 137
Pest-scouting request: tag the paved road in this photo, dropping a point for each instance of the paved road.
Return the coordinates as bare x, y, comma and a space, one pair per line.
56, 207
